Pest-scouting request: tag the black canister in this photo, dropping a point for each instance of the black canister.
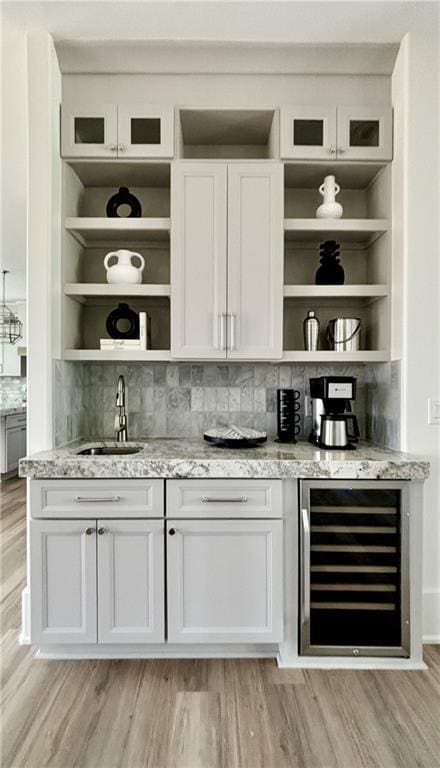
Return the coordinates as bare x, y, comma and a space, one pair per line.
288, 417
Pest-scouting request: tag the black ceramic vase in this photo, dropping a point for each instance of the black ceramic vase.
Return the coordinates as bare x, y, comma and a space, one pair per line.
124, 197
123, 323
331, 271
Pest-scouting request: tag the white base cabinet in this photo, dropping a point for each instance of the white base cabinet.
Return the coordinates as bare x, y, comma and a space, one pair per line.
100, 579
97, 581
13, 441
224, 581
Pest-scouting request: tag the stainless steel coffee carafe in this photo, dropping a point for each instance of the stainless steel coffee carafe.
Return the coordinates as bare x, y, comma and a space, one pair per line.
334, 430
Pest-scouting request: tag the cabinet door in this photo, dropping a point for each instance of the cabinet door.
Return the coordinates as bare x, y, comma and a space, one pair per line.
63, 581
198, 260
89, 131
308, 133
255, 260
365, 133
145, 131
13, 448
224, 581
130, 581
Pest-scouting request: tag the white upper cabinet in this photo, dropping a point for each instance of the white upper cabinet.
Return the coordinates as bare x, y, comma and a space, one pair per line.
255, 260
145, 131
365, 133
308, 133
117, 130
63, 581
130, 581
198, 260
341, 133
227, 260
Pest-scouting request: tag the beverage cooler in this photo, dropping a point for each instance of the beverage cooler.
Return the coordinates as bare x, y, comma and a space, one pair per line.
354, 568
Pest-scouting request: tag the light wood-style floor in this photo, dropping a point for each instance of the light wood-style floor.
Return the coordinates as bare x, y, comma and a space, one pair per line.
201, 714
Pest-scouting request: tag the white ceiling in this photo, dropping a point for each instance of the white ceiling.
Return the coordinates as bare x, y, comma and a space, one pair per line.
239, 20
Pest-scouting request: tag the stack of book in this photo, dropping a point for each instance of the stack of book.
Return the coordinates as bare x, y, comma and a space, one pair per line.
143, 342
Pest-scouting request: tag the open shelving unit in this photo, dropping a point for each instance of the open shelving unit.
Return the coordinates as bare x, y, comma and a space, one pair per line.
364, 237
89, 235
364, 234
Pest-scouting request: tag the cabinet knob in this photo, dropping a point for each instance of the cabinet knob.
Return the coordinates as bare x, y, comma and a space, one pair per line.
112, 147
341, 150
101, 531
172, 531
89, 531
332, 150
121, 147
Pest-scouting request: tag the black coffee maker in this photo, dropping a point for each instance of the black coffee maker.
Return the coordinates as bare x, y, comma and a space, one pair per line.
331, 412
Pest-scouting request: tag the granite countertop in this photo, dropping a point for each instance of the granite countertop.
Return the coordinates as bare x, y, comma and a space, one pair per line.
11, 411
194, 458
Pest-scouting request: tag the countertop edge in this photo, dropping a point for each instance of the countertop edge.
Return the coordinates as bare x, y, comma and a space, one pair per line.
283, 469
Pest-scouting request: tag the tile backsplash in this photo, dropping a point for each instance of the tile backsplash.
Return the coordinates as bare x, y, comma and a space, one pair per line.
383, 382
12, 391
184, 399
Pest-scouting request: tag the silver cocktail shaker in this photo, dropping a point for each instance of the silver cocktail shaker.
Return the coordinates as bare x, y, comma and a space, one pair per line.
311, 331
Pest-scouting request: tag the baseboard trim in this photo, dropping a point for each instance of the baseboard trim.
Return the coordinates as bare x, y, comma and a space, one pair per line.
431, 616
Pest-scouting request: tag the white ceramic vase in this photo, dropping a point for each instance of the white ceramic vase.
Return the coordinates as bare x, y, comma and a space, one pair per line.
124, 271
329, 209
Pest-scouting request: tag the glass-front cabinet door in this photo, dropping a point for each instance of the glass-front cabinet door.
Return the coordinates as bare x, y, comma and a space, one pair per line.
89, 131
354, 568
365, 133
145, 130
308, 133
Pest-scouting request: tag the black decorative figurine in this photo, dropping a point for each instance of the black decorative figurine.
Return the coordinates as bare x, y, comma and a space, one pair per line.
331, 271
131, 318
124, 197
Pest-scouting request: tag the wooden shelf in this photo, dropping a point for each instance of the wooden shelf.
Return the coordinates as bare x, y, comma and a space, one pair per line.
335, 291
104, 355
93, 231
355, 230
329, 356
82, 290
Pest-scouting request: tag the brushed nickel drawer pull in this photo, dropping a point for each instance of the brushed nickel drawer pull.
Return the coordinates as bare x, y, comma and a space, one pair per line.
101, 531
89, 531
238, 500
91, 499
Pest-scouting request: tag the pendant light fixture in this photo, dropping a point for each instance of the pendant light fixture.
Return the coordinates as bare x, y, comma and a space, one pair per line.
11, 327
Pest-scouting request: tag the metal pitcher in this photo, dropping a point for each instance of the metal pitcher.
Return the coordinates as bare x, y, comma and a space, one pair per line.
344, 334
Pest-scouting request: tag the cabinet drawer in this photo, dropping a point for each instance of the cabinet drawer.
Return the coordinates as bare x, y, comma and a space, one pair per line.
96, 498
16, 420
224, 498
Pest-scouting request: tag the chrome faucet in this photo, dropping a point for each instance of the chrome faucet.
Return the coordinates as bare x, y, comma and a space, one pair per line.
121, 416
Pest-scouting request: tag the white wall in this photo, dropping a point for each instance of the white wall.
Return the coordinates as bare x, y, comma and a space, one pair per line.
421, 284
13, 153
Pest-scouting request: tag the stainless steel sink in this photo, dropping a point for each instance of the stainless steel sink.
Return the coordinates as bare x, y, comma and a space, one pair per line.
104, 450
